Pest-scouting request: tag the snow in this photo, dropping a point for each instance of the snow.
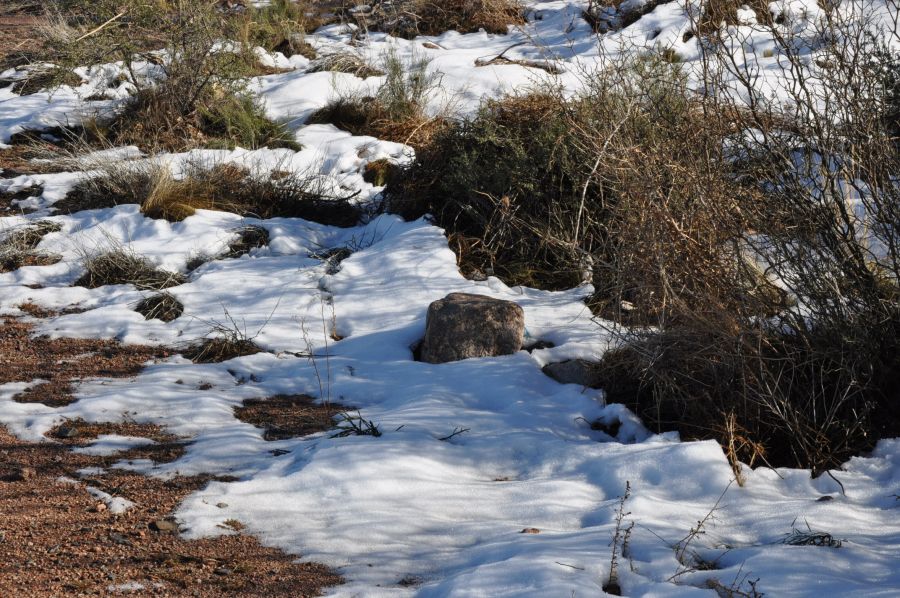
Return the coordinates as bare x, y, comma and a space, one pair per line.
443, 516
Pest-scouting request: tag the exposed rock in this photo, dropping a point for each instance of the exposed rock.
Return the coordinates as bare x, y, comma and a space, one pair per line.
462, 325
164, 525
574, 371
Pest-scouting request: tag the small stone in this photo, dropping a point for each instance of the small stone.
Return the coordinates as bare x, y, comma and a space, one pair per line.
825, 498
67, 432
223, 571
222, 505
530, 530
119, 539
164, 525
98, 508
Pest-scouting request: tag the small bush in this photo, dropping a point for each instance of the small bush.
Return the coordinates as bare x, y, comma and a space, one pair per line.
162, 306
505, 185
121, 266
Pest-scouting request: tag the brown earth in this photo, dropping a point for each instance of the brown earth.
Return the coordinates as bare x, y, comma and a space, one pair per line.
63, 361
55, 538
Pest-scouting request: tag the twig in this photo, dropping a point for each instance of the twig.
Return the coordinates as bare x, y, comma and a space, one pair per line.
456, 432
97, 29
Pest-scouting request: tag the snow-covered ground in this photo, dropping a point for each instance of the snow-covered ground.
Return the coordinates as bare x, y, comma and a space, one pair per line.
443, 516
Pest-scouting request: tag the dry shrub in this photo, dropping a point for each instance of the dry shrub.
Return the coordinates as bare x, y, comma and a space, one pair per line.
409, 18
505, 185
119, 265
195, 95
162, 306
756, 310
278, 26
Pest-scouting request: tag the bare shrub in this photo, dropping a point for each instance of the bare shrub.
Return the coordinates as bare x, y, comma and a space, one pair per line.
793, 340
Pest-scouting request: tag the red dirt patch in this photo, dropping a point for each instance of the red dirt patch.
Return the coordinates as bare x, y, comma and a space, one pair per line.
64, 361
288, 416
55, 538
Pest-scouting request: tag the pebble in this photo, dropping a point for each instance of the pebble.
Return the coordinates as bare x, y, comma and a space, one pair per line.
164, 525
530, 530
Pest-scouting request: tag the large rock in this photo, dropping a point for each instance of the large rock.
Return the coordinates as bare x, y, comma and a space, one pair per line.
461, 326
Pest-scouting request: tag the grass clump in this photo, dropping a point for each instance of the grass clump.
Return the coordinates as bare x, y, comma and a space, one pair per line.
202, 186
398, 111
162, 306
121, 266
18, 247
344, 62
278, 26
219, 349
248, 238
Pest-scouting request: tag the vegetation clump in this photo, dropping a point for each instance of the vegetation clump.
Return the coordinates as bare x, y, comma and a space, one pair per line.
202, 186
122, 266
751, 276
398, 111
161, 306
410, 18
18, 247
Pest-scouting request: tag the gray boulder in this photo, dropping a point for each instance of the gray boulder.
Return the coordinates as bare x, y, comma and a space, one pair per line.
462, 325
574, 371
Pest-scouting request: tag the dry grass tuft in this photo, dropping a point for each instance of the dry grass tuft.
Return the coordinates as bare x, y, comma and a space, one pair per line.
221, 348
19, 247
248, 237
399, 110
121, 266
162, 306
224, 187
344, 62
